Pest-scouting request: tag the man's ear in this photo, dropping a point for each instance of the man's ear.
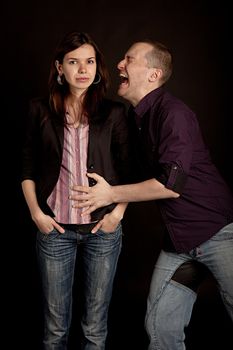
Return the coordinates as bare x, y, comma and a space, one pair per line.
156, 74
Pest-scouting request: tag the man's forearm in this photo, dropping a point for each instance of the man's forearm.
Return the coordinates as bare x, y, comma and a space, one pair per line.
103, 194
143, 191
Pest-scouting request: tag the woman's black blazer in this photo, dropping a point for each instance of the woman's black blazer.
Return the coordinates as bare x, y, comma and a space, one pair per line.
107, 150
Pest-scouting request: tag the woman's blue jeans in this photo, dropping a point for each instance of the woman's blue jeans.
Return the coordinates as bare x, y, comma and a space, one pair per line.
170, 304
57, 259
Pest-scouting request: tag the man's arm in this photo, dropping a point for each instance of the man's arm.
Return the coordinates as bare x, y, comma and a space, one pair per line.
103, 194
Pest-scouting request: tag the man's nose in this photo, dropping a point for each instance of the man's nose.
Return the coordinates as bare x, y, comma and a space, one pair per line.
120, 65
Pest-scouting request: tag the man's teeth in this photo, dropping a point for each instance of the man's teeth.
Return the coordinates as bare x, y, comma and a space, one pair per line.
123, 78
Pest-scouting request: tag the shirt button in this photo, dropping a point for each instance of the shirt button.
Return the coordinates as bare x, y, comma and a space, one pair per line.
91, 166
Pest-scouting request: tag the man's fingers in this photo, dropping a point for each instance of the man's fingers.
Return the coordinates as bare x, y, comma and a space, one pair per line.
89, 210
78, 188
80, 197
95, 176
87, 189
80, 204
87, 207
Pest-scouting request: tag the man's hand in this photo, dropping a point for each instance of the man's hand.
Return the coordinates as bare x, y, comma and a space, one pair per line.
93, 197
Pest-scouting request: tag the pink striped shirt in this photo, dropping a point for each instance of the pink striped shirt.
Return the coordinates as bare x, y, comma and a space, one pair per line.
73, 171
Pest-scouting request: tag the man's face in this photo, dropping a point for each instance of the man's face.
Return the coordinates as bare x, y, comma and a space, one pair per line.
134, 73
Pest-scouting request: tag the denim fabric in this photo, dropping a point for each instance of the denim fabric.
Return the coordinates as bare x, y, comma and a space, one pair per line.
57, 254
170, 304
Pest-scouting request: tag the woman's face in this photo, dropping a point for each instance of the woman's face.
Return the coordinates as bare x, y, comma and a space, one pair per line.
79, 68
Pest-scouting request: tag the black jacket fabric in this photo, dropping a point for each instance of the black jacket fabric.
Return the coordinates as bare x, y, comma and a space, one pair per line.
107, 150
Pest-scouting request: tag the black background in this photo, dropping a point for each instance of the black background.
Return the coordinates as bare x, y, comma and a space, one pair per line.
198, 32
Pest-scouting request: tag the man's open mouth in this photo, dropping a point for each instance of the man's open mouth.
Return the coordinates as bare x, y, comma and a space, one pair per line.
123, 79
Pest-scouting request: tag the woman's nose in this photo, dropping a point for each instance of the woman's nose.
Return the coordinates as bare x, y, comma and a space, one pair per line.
82, 68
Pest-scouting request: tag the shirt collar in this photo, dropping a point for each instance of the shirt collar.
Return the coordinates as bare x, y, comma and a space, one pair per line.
147, 101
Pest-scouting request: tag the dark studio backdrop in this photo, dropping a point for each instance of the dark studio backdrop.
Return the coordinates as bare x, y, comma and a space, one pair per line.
198, 32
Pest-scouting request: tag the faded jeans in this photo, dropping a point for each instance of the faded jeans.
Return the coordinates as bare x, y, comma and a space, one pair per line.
57, 258
170, 304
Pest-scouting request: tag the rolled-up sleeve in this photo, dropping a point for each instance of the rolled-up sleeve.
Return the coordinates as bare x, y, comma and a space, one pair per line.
175, 150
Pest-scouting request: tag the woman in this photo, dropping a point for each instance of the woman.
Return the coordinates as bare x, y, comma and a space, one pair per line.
73, 131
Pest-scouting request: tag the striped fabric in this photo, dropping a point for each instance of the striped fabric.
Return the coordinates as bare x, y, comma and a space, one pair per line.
73, 172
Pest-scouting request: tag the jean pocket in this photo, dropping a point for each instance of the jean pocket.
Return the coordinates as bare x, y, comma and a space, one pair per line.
117, 230
50, 235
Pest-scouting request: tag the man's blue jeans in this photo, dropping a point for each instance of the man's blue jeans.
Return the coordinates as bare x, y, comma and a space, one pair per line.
170, 304
57, 258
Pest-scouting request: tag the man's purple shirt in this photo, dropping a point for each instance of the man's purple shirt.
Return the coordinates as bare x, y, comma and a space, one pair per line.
167, 135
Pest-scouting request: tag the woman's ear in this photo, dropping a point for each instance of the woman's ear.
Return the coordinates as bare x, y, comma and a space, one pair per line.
58, 66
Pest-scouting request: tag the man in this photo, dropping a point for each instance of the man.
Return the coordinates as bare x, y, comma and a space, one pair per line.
173, 167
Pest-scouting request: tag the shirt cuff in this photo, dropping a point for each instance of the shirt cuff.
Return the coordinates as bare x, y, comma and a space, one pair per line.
172, 177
